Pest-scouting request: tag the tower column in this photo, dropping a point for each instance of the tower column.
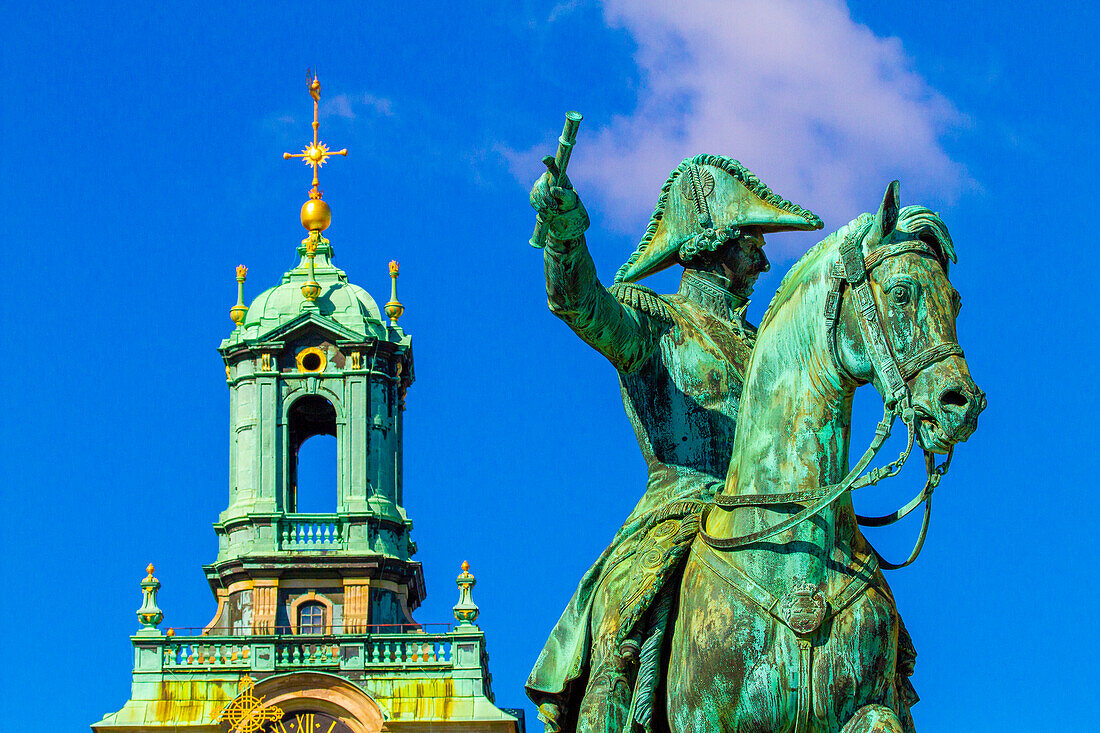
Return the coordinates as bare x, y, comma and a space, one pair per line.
268, 449
357, 444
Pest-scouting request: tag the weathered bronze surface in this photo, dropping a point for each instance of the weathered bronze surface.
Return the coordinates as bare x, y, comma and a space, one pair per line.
776, 617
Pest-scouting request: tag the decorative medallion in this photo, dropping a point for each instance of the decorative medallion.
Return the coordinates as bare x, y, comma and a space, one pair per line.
666, 528
311, 360
803, 608
696, 184
245, 713
653, 558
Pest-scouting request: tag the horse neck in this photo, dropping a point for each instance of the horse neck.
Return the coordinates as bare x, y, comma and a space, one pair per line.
793, 428
793, 422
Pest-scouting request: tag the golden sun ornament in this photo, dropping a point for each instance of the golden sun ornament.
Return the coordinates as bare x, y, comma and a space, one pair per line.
316, 153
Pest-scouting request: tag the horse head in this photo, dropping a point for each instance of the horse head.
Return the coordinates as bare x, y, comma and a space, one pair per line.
906, 256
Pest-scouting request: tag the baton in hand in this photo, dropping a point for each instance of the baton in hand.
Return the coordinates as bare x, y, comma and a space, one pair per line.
556, 165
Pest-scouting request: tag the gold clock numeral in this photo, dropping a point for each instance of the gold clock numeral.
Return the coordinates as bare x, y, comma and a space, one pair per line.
331, 726
282, 728
305, 723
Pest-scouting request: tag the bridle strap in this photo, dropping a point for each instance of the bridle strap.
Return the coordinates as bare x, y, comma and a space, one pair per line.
935, 473
829, 495
850, 271
913, 366
853, 269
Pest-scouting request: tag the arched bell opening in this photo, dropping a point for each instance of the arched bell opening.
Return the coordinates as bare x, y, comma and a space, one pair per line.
312, 485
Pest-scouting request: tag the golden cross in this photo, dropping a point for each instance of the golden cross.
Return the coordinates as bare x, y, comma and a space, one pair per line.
245, 714
315, 153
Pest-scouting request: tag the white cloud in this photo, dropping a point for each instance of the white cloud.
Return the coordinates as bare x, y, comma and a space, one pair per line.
380, 105
344, 105
817, 105
339, 106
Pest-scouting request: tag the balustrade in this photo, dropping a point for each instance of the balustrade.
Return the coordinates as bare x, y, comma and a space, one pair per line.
311, 532
182, 653
302, 651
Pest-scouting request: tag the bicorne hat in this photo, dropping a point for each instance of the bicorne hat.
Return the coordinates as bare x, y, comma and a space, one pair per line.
703, 204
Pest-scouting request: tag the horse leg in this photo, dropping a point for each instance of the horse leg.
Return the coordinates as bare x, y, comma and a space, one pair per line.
875, 719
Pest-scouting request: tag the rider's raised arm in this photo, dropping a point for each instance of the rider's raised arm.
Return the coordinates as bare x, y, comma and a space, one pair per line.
627, 337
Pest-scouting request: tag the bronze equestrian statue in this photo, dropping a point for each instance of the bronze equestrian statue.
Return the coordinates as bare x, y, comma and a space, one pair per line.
776, 617
681, 359
786, 622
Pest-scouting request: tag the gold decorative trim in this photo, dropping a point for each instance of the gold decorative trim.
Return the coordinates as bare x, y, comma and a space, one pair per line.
246, 713
300, 360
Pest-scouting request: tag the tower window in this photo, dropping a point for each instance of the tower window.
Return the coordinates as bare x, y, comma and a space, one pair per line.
311, 618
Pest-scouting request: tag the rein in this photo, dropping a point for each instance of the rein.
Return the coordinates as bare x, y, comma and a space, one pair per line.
854, 271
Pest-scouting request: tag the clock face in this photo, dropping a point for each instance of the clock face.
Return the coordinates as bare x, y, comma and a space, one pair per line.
302, 721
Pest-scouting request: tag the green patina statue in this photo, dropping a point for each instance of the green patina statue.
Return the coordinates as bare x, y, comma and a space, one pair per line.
775, 617
681, 360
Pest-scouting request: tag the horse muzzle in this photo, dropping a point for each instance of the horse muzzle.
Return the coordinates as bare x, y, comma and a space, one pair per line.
948, 405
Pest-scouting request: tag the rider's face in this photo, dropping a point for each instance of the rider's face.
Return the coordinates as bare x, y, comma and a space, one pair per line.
743, 261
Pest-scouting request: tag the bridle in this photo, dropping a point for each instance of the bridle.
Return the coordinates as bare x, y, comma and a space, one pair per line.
853, 271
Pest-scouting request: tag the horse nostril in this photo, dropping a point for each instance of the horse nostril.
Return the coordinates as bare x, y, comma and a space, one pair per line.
953, 399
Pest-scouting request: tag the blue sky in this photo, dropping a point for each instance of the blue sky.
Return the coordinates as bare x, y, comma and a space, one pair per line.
145, 163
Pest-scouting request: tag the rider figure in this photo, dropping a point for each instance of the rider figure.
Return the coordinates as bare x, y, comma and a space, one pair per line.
681, 360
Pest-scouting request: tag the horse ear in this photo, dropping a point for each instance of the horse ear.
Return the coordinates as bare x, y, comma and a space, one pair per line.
886, 220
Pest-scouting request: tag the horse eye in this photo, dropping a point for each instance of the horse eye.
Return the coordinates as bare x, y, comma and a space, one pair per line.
900, 294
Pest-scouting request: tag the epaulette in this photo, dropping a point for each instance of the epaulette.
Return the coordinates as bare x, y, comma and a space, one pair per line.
641, 298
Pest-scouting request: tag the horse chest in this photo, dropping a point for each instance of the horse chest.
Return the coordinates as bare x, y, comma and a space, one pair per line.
736, 666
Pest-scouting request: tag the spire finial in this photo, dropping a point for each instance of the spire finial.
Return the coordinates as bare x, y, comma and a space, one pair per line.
394, 308
465, 610
316, 215
149, 614
311, 289
240, 310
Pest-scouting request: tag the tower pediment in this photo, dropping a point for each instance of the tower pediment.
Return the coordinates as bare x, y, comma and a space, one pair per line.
303, 325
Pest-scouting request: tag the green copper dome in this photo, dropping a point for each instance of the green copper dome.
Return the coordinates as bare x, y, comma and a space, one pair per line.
347, 304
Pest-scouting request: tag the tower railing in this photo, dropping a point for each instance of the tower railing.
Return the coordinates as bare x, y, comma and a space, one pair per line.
387, 649
312, 532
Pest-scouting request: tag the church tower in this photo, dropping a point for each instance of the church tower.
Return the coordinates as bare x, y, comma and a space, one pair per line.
314, 630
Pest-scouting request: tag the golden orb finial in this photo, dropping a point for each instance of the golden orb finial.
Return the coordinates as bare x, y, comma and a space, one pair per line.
150, 570
465, 566
316, 215
394, 308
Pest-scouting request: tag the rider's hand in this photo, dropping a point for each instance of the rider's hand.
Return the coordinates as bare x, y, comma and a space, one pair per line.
559, 207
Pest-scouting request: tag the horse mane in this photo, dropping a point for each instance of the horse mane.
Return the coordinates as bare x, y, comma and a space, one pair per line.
918, 220
812, 254
930, 229
729, 165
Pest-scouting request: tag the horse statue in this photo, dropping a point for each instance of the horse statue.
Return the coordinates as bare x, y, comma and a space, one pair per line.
786, 622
